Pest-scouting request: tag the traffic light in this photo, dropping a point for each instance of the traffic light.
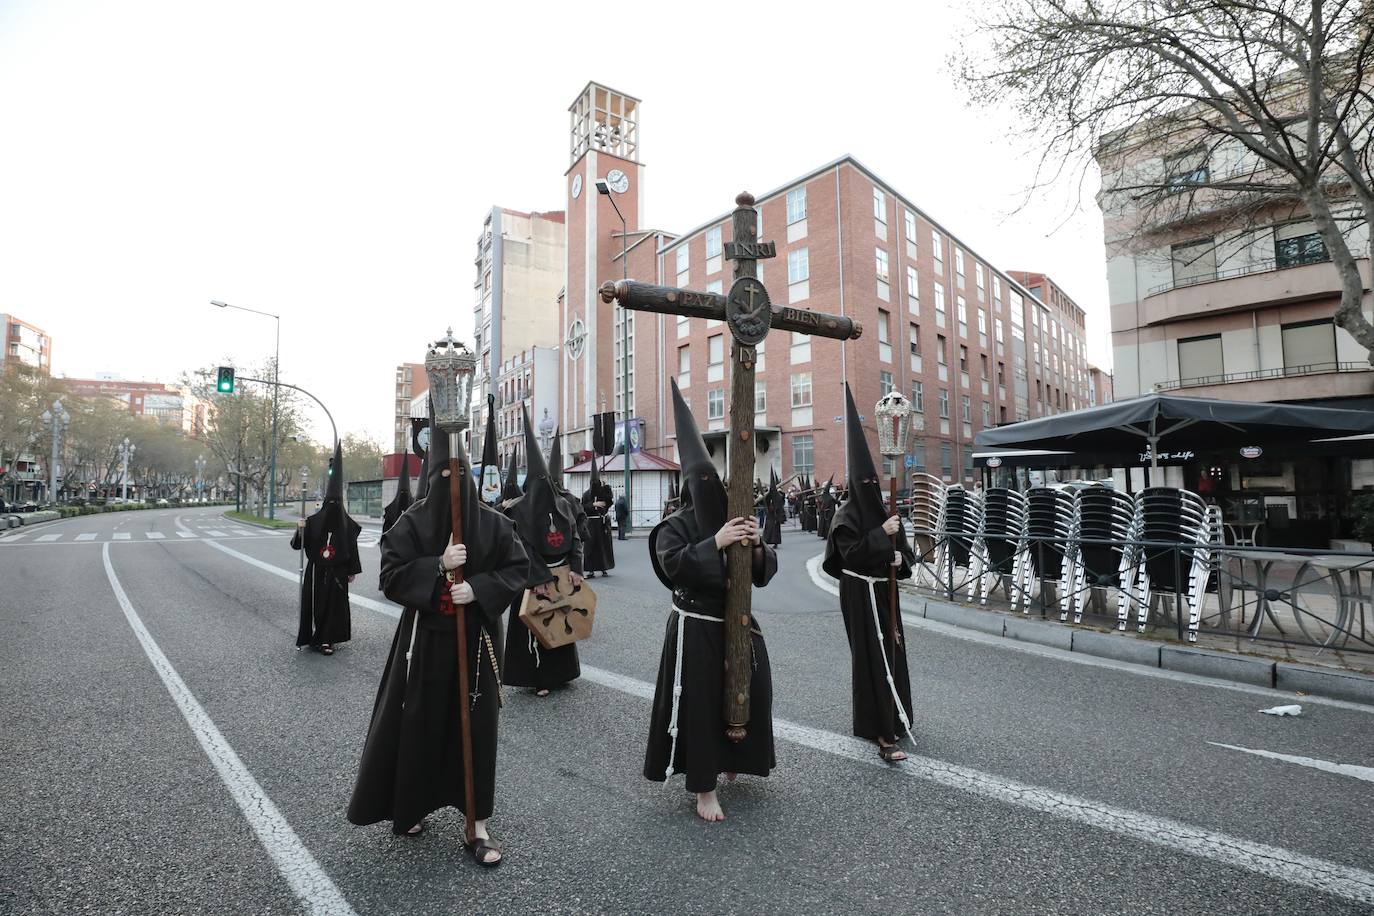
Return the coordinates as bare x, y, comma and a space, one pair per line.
225, 383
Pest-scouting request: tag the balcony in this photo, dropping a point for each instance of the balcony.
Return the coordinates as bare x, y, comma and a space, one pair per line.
1259, 285
1320, 380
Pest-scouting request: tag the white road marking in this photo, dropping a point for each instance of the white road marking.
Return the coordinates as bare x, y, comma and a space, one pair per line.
186, 534
16, 537
44, 538
215, 533
825, 584
1268, 861
1340, 769
86, 536
122, 535
307, 880
155, 535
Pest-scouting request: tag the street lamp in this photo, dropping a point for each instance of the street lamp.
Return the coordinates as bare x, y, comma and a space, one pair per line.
126, 451
59, 420
276, 396
604, 189
200, 478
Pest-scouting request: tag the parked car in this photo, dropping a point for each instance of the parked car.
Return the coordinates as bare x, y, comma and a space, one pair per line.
162, 502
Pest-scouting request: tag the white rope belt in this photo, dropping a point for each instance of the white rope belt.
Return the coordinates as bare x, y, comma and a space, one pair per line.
677, 679
871, 591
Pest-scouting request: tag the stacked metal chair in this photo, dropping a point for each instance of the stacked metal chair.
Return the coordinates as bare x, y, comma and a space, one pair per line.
1187, 535
1099, 555
1000, 542
960, 519
1051, 526
927, 508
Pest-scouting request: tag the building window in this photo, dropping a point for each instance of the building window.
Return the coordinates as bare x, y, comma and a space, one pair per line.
918, 453
940, 356
881, 257
963, 359
1001, 375
879, 205
914, 342
884, 383
946, 460
1194, 262
937, 250
684, 367
713, 242
684, 325
940, 304
996, 288
961, 304
801, 389
1308, 345
1200, 357
913, 293
800, 351
798, 265
715, 404
884, 336
682, 261
944, 403
979, 280
966, 408
803, 450
715, 352
760, 396
796, 205
983, 324
911, 227
1298, 243
959, 264
983, 365
987, 414
1186, 169
918, 396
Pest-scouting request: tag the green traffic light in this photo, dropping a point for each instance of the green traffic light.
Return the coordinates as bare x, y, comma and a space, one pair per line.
225, 383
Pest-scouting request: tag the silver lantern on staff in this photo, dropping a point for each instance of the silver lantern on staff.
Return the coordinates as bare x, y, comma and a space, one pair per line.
894, 423
450, 366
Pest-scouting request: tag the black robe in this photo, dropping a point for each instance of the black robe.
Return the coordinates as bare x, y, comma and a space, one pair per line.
528, 664
689, 559
825, 513
807, 512
412, 761
776, 506
326, 618
599, 550
869, 553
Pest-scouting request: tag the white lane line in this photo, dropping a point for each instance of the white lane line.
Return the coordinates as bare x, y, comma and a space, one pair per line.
1269, 861
155, 535
826, 584
15, 537
86, 536
1340, 769
45, 538
122, 535
1265, 860
186, 534
215, 533
309, 882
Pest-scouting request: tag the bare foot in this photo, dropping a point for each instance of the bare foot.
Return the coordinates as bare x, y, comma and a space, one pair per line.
417, 829
890, 751
708, 807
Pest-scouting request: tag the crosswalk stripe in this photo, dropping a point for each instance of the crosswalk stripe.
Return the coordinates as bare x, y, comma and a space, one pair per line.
185, 534
155, 535
122, 535
215, 533
48, 537
16, 537
86, 536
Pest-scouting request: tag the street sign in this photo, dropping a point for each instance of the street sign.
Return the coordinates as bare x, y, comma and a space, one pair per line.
910, 461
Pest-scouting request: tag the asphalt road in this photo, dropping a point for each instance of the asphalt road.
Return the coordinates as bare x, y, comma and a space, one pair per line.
167, 750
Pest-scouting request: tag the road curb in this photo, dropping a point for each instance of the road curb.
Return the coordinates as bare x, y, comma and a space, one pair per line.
1029, 629
1326, 682
968, 618
1118, 646
1220, 665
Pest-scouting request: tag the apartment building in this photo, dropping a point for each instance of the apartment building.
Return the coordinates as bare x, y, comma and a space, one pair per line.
965, 340
25, 343
411, 383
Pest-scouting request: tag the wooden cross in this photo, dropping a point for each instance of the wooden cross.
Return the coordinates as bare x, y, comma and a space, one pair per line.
750, 315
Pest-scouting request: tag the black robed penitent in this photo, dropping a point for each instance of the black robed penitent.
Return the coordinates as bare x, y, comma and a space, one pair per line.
775, 510
402, 500
599, 554
683, 551
330, 542
547, 524
858, 554
412, 761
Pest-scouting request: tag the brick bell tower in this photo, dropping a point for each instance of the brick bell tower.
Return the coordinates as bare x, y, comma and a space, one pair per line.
603, 147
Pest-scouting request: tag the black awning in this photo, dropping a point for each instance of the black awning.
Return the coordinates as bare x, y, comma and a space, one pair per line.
1179, 423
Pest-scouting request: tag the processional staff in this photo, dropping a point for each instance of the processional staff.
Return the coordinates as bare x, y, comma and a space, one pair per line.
893, 412
750, 314
450, 367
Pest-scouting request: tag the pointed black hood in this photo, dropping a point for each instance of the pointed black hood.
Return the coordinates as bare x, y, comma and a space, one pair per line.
542, 515
423, 487
434, 511
330, 535
702, 489
402, 501
511, 489
334, 489
489, 476
556, 460
595, 485
865, 487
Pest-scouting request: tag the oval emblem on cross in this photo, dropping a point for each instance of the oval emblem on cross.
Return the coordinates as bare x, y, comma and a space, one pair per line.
748, 311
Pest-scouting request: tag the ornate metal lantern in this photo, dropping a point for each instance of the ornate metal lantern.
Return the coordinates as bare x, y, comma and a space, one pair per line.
894, 423
450, 366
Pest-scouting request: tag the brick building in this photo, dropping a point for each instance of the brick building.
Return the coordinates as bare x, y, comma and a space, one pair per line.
411, 382
25, 343
143, 399
966, 341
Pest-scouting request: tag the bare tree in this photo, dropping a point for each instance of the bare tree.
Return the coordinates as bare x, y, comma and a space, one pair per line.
1237, 113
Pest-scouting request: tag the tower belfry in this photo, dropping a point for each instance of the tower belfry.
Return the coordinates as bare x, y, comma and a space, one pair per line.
604, 120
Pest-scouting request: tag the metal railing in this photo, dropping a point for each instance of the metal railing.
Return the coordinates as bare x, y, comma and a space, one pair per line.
1294, 598
1255, 375
1258, 267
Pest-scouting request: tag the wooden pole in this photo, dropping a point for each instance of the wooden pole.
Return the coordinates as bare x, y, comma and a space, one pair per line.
455, 576
893, 638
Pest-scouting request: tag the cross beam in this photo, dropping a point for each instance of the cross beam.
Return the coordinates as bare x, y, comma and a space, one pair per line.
750, 316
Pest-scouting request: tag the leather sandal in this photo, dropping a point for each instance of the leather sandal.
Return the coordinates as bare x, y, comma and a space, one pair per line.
479, 848
891, 753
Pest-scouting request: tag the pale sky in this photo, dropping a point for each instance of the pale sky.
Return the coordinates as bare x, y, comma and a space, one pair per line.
333, 161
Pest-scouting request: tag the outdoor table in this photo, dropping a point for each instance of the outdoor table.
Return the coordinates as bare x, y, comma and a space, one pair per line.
1262, 561
1243, 534
1354, 580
